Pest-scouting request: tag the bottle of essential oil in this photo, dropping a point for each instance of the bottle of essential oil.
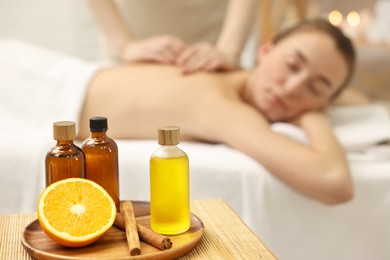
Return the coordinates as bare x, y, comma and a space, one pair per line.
169, 184
65, 159
101, 158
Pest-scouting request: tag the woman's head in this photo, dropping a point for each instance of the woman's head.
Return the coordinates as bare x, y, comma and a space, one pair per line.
342, 42
302, 69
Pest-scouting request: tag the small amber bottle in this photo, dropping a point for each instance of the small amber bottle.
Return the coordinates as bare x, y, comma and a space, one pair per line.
101, 158
65, 159
169, 184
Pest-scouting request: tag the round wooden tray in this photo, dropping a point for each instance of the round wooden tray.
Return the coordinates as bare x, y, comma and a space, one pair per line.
113, 244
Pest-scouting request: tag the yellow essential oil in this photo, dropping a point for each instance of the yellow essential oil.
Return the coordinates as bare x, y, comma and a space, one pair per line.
169, 188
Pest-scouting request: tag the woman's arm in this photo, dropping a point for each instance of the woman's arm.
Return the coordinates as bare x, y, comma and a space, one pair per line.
328, 158
159, 48
226, 53
112, 24
239, 21
319, 170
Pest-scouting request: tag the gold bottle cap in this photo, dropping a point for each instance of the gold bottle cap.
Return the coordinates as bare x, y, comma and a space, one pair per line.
168, 135
64, 130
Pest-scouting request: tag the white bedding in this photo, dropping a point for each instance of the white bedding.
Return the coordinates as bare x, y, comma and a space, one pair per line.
38, 87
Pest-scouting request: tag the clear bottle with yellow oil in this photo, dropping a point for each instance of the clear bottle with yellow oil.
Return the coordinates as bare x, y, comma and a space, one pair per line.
169, 184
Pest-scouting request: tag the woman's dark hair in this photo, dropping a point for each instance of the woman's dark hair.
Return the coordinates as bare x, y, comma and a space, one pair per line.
343, 43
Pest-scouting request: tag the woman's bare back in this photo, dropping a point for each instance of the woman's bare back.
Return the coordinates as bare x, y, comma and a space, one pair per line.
137, 99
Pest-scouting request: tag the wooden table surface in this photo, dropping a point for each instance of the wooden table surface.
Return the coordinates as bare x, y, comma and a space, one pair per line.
226, 235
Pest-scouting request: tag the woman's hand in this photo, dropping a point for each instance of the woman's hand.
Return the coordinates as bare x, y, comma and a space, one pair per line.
204, 56
309, 117
163, 49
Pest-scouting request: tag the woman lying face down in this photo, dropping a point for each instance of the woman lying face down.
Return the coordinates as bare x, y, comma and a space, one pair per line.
297, 76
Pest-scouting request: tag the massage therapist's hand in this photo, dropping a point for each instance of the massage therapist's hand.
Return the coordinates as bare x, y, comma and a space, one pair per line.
163, 49
205, 57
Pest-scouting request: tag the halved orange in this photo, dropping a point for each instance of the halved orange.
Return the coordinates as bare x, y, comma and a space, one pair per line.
75, 212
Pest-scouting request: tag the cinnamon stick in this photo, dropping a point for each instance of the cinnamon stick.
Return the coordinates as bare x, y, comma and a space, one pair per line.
153, 238
131, 228
146, 234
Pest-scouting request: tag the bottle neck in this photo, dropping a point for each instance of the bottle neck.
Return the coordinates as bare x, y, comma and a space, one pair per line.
65, 142
168, 151
98, 134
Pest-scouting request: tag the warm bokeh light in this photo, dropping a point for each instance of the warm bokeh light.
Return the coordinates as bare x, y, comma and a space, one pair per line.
335, 17
353, 18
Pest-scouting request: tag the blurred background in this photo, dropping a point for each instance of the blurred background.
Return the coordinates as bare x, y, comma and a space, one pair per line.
66, 26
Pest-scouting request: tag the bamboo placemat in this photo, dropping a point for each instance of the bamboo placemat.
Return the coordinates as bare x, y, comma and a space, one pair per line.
11, 228
226, 235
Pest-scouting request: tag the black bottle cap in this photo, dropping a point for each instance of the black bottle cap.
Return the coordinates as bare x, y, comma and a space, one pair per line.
98, 124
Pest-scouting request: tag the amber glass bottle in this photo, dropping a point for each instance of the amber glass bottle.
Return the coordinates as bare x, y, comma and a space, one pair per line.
101, 158
65, 159
169, 184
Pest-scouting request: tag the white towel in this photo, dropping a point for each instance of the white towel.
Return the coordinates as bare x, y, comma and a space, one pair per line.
360, 129
39, 86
